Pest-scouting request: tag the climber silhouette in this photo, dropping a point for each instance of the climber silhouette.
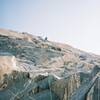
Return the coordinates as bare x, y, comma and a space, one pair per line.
45, 38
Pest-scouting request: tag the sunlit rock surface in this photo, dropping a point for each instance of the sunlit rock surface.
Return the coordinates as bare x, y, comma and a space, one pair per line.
32, 68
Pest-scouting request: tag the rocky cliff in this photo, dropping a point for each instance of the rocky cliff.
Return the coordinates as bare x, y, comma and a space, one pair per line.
32, 68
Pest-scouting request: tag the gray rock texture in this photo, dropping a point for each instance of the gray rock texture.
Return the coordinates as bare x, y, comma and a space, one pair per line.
32, 68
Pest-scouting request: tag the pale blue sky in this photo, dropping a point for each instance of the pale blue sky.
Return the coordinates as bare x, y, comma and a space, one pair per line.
75, 22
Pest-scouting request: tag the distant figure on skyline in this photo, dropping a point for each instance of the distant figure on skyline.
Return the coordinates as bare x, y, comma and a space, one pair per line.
45, 38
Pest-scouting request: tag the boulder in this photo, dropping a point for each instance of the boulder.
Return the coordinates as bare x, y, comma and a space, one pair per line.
7, 65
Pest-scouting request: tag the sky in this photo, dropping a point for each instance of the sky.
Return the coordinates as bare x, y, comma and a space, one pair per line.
74, 22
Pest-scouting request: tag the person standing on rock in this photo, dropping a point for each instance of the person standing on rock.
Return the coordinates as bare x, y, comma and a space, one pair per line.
45, 38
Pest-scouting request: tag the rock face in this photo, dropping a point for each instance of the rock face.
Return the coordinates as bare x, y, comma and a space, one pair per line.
65, 87
32, 68
7, 65
94, 92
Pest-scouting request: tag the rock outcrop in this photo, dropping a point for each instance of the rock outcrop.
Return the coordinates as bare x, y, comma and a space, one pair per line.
7, 65
32, 68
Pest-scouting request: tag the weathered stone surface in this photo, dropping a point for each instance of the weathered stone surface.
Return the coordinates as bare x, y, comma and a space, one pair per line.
94, 92
34, 69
